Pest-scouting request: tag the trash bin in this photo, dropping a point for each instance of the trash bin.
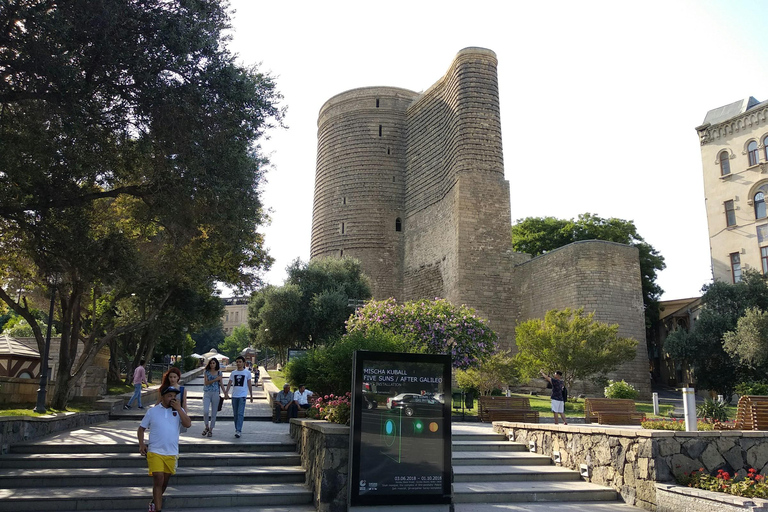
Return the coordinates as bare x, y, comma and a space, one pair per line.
469, 401
456, 398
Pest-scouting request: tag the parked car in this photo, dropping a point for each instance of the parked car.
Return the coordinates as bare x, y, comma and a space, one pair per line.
369, 402
418, 404
398, 398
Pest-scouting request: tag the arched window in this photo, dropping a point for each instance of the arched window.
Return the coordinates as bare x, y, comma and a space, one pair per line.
725, 164
765, 147
760, 212
754, 157
398, 224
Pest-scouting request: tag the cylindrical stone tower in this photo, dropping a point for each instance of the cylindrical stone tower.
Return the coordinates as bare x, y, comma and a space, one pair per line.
360, 183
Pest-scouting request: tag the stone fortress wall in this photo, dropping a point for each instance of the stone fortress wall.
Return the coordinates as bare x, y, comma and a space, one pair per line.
413, 186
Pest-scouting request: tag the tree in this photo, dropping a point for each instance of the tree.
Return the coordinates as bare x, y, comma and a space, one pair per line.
432, 327
209, 338
311, 307
572, 342
236, 342
749, 342
496, 372
703, 346
538, 235
127, 134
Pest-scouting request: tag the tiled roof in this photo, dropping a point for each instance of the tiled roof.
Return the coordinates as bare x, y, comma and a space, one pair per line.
12, 346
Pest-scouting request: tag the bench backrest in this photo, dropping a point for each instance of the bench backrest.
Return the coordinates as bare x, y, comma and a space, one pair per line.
594, 405
504, 402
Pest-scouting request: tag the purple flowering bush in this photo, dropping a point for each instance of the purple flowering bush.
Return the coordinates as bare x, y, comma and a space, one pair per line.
432, 326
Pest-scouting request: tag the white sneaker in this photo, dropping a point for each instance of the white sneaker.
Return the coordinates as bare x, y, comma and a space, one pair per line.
237, 434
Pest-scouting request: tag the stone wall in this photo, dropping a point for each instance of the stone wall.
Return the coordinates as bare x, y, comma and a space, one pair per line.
15, 429
602, 277
324, 449
632, 461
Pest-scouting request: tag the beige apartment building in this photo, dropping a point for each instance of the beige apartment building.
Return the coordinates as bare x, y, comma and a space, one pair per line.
235, 313
734, 155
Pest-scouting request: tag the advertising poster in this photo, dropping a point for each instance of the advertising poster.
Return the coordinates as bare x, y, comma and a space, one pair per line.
401, 425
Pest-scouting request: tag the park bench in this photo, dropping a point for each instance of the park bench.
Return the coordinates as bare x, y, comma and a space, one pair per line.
506, 408
611, 411
751, 414
302, 413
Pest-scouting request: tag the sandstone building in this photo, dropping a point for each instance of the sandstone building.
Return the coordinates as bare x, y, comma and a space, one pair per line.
734, 157
412, 185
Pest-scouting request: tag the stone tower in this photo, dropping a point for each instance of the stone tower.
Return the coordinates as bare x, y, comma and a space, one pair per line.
413, 186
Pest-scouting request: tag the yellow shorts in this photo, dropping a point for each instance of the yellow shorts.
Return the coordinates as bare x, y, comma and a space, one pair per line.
162, 463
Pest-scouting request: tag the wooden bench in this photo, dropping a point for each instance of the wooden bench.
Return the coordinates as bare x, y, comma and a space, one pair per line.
751, 414
611, 411
506, 408
283, 414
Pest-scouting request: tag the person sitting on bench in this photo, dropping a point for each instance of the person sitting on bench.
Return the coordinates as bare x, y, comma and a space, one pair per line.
300, 399
283, 401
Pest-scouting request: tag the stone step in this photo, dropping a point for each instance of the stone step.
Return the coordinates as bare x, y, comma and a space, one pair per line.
211, 445
487, 446
120, 460
529, 491
513, 473
240, 508
137, 476
217, 497
499, 458
479, 437
570, 506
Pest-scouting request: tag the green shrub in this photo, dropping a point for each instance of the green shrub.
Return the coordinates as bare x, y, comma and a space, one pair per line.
752, 388
712, 411
672, 424
620, 389
328, 369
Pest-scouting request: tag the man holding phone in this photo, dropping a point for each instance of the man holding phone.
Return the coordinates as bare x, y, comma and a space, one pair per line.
162, 451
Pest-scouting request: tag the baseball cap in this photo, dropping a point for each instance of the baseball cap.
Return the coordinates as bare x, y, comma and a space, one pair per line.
169, 389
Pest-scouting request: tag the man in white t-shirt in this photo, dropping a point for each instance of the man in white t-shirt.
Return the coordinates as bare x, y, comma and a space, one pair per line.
300, 399
162, 452
240, 378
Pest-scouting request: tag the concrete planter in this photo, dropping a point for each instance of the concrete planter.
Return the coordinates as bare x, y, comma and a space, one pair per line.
15, 429
676, 498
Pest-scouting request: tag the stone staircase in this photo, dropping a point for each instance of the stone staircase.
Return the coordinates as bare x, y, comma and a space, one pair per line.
490, 473
214, 475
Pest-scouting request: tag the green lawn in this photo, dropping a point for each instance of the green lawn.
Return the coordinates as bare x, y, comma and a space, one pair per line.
26, 409
278, 379
118, 388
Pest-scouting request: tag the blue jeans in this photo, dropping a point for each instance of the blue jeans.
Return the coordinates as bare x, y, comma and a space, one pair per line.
238, 411
136, 394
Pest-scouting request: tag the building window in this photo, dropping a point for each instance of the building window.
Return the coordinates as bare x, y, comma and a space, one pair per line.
760, 206
341, 252
730, 213
765, 147
736, 267
725, 164
344, 200
764, 258
398, 224
754, 157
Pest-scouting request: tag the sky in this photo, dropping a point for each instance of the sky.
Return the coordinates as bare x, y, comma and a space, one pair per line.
599, 101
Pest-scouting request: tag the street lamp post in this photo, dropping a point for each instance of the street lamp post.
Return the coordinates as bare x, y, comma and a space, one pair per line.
41, 392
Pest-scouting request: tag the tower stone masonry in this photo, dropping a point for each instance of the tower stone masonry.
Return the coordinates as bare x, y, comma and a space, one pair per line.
412, 185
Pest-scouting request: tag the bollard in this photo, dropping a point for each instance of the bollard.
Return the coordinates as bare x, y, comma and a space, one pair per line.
689, 404
720, 399
656, 404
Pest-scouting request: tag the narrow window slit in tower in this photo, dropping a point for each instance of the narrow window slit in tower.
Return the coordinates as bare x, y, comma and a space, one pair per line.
341, 253
393, 179
398, 224
343, 200
379, 130
387, 150
377, 102
342, 228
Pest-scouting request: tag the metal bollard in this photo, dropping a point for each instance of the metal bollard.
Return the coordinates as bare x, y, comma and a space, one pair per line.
689, 404
656, 404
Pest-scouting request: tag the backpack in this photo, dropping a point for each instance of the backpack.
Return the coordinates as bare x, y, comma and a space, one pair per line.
565, 394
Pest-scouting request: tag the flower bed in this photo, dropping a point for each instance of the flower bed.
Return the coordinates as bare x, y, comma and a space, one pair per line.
749, 485
673, 424
335, 409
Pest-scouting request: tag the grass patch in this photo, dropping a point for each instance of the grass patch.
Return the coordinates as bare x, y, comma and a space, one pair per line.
26, 409
278, 378
119, 388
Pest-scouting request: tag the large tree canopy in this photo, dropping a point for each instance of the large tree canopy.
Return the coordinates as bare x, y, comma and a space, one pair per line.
538, 235
704, 347
128, 163
311, 307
